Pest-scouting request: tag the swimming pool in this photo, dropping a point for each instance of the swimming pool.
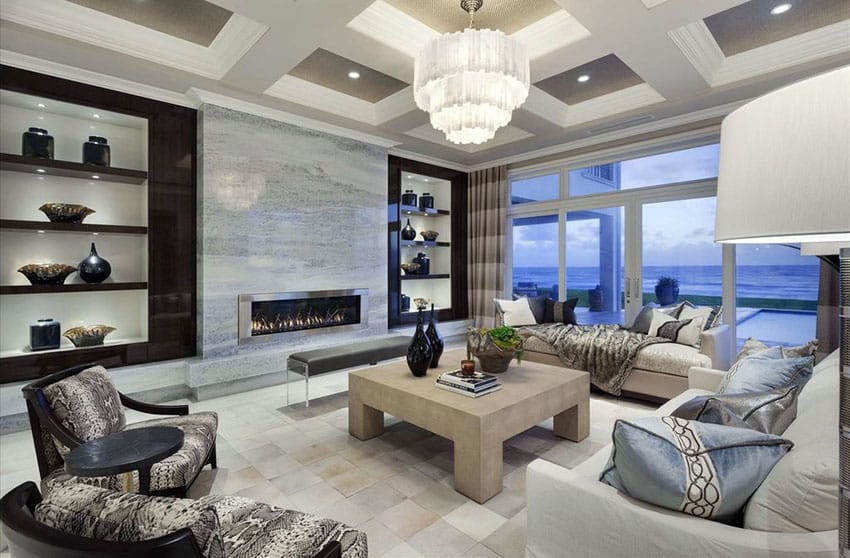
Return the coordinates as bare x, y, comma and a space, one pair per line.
776, 327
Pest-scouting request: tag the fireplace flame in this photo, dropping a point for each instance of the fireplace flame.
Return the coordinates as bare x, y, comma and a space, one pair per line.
279, 323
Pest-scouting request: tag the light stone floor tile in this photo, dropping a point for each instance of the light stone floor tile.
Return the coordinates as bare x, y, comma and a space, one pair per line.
407, 518
398, 488
440, 540
475, 520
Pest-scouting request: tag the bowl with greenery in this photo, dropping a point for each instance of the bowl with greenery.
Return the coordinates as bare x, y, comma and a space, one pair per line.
494, 348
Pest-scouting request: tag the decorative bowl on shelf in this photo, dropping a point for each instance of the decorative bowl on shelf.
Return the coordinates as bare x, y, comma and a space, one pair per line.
66, 212
88, 336
47, 274
430, 236
410, 268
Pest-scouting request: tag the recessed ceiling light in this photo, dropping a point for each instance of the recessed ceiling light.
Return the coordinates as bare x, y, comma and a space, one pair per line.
354, 74
95, 115
583, 78
40, 170
95, 234
96, 176
426, 180
780, 9
41, 105
40, 232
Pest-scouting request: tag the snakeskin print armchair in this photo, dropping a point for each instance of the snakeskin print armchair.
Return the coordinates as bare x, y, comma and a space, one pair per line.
71, 407
90, 522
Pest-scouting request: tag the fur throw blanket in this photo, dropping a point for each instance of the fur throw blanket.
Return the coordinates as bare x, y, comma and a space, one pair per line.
605, 351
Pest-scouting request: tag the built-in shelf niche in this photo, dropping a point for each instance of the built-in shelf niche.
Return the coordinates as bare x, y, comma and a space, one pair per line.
119, 196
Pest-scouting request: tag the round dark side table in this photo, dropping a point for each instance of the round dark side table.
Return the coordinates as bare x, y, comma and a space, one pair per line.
136, 449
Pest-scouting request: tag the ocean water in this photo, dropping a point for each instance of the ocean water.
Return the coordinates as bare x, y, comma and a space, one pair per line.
787, 282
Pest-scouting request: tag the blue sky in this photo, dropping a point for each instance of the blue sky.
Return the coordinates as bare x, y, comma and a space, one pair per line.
674, 233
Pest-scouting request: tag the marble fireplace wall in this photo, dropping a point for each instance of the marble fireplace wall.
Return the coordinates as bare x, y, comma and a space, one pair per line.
282, 208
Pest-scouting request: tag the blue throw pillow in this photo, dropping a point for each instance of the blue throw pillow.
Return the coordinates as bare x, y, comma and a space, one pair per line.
756, 373
705, 470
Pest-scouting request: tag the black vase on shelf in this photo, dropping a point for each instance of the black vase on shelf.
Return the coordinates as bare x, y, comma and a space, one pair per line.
424, 263
405, 303
419, 351
426, 201
408, 198
96, 152
36, 142
94, 269
44, 335
435, 339
408, 232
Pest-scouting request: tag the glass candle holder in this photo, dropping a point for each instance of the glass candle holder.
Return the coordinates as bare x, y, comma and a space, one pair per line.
467, 367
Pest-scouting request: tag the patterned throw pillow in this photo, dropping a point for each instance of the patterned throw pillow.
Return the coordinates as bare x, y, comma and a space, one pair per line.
754, 374
752, 346
684, 332
770, 411
711, 315
561, 312
87, 404
691, 466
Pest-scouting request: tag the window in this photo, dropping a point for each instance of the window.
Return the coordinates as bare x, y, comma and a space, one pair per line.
678, 242
777, 293
655, 170
535, 252
538, 188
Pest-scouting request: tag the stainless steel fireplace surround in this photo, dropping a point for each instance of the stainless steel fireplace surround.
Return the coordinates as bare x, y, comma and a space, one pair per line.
271, 316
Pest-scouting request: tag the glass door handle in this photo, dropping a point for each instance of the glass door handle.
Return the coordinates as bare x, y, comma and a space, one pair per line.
628, 288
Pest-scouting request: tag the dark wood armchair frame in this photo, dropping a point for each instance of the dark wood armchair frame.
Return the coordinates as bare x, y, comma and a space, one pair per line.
41, 415
29, 538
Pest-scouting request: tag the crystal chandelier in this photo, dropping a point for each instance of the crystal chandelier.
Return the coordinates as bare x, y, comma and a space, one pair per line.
471, 81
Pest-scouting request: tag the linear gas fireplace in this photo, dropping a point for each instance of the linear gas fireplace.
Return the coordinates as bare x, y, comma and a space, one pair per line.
265, 317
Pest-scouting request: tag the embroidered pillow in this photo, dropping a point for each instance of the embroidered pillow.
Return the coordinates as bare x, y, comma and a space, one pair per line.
561, 312
87, 404
711, 315
659, 318
515, 312
802, 350
684, 332
770, 411
750, 347
689, 466
754, 374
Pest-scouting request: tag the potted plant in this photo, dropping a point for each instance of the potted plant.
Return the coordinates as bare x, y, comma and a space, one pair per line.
494, 348
667, 290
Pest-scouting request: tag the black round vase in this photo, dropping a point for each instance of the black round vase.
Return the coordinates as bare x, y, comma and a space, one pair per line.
419, 351
94, 269
408, 232
435, 340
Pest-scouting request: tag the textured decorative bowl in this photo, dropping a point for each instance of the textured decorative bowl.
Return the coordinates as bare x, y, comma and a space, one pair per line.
47, 274
410, 268
430, 236
88, 336
66, 212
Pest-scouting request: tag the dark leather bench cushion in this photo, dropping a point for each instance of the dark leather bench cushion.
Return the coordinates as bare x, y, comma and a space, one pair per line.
348, 355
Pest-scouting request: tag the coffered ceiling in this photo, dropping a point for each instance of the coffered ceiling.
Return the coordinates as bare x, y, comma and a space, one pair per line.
601, 70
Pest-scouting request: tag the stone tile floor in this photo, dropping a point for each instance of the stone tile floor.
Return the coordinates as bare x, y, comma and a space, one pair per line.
397, 488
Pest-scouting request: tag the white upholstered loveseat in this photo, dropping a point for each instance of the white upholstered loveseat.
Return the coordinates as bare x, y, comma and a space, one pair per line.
794, 513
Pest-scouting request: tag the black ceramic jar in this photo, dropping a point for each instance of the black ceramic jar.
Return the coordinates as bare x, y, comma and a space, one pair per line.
426, 201
96, 152
424, 263
44, 335
408, 198
36, 142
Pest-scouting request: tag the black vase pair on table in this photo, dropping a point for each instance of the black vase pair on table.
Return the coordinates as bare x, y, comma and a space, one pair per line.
426, 347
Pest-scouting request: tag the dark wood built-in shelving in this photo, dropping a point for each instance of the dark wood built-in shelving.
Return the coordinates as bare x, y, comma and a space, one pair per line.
52, 167
70, 227
425, 243
413, 210
71, 288
420, 277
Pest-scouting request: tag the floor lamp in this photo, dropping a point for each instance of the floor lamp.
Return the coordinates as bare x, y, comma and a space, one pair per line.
784, 179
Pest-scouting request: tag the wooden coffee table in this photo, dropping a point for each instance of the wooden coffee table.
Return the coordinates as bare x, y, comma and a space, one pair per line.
531, 393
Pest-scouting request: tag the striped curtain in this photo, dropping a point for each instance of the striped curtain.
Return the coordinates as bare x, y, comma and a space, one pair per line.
488, 204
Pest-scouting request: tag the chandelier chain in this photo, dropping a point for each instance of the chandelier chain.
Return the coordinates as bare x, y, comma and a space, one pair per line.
471, 6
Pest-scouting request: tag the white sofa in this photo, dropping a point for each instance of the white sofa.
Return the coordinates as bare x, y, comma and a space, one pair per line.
660, 371
572, 514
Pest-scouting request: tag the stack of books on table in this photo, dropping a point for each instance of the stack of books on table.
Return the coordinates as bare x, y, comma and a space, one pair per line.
471, 386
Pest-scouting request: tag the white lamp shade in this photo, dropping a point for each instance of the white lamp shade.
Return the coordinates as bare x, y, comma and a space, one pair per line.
785, 165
